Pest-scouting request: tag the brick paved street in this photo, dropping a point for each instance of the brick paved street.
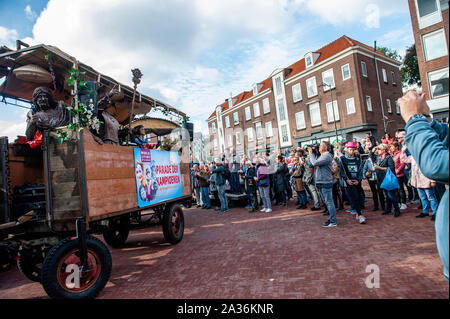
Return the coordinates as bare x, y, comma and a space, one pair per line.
286, 254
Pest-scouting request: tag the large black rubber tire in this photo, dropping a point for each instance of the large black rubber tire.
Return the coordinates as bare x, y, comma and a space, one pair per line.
50, 267
117, 233
28, 266
168, 224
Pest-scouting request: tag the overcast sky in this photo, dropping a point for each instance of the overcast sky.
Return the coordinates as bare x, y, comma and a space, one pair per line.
194, 53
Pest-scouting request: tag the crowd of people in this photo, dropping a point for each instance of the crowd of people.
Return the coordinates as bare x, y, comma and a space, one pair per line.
322, 175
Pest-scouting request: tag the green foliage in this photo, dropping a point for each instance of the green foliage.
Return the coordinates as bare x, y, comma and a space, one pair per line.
410, 69
185, 119
393, 54
76, 75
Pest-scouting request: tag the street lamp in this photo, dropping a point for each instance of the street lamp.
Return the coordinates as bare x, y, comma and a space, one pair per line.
332, 106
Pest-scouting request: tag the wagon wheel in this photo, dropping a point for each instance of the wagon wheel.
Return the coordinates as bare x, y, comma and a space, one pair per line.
117, 233
173, 224
30, 263
62, 275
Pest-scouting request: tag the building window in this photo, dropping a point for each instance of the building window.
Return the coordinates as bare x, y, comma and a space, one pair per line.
215, 144
236, 117
230, 141
444, 4
300, 120
385, 80
397, 107
250, 134
227, 121
266, 106
269, 132
394, 81
389, 107
428, 12
259, 133
314, 113
434, 45
345, 72
350, 106
284, 134
248, 113
328, 78
363, 68
213, 126
238, 138
330, 116
256, 110
278, 88
438, 83
426, 7
255, 89
309, 60
369, 103
311, 86
281, 111
296, 93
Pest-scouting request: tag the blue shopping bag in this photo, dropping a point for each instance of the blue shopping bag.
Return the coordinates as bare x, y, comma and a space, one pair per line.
390, 181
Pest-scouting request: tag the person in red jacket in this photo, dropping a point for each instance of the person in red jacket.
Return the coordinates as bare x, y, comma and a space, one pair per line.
400, 173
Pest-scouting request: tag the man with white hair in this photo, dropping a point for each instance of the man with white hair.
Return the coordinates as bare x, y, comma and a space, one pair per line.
219, 170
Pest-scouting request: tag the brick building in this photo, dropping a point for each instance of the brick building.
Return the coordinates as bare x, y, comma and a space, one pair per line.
431, 34
292, 108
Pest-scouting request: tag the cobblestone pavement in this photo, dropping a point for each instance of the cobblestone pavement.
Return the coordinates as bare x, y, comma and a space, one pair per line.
284, 254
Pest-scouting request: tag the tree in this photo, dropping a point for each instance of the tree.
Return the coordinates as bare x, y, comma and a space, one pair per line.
393, 54
409, 71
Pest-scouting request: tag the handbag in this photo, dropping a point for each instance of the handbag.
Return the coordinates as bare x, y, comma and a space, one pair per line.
368, 174
390, 181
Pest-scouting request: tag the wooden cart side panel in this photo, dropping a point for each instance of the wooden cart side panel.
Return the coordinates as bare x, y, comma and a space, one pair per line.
185, 179
110, 179
64, 180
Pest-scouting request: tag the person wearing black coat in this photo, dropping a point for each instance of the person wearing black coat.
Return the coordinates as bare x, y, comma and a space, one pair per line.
383, 162
280, 180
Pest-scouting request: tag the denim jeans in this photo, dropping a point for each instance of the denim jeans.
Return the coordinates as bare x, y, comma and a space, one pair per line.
222, 197
205, 196
301, 197
391, 200
235, 184
355, 197
264, 192
326, 191
428, 198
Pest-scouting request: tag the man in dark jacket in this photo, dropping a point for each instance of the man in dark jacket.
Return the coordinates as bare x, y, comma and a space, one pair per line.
384, 162
280, 182
219, 170
351, 172
250, 185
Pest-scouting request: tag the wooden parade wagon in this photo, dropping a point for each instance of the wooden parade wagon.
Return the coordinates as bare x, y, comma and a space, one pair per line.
79, 187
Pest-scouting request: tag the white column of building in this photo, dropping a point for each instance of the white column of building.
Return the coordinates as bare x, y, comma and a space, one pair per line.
281, 108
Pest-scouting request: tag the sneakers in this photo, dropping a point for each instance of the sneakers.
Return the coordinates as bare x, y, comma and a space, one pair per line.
397, 214
433, 218
314, 208
248, 206
263, 210
361, 219
422, 215
385, 213
348, 210
329, 224
353, 212
403, 207
268, 210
